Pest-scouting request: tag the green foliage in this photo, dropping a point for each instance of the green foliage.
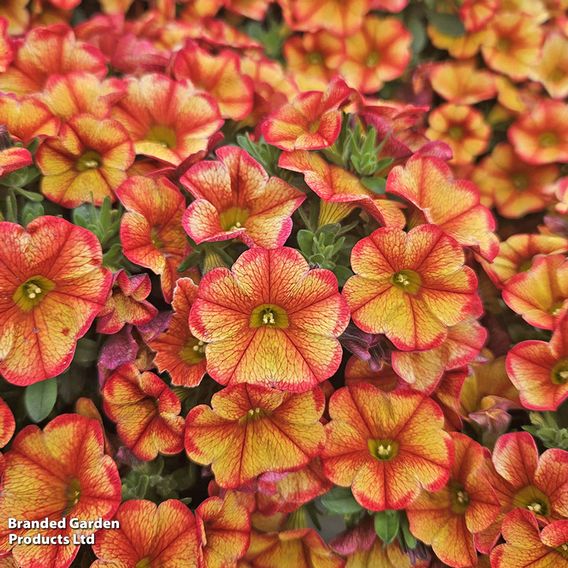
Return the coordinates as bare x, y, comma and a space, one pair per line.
340, 501
271, 34
448, 24
39, 399
387, 525
545, 427
265, 154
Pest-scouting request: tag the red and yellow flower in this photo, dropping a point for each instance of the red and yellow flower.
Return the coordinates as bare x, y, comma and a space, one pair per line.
235, 198
150, 231
448, 519
410, 286
146, 412
52, 286
167, 120
27, 118
149, 536
310, 122
385, 446
6, 49
270, 321
251, 430
58, 472
12, 159
7, 423
539, 295
475, 14
86, 162
552, 69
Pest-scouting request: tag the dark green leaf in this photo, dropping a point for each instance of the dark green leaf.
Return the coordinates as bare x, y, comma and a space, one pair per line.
376, 185
387, 524
39, 399
448, 24
340, 501
305, 240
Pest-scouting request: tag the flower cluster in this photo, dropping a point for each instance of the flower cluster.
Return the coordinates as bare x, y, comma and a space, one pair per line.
284, 283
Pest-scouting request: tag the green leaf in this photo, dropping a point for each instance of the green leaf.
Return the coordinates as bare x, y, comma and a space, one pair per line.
418, 31
340, 501
39, 399
448, 24
305, 239
376, 185
387, 524
342, 273
405, 534
31, 211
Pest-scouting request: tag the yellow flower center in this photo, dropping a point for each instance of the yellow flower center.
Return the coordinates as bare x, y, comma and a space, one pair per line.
559, 375
72, 495
269, 315
372, 59
253, 414
459, 498
383, 450
408, 281
315, 58
520, 181
547, 140
32, 292
90, 160
556, 308
563, 550
533, 499
155, 237
503, 44
233, 218
193, 351
162, 135
455, 132
145, 562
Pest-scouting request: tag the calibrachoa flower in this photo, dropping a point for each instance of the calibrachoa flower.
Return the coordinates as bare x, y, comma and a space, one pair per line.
58, 472
7, 423
177, 351
146, 412
86, 162
270, 321
235, 198
539, 295
385, 446
310, 122
251, 430
150, 230
149, 536
527, 545
12, 159
26, 118
449, 518
52, 286
552, 69
167, 120
539, 370
410, 286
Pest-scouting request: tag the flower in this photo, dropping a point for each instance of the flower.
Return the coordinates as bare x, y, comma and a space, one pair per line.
59, 472
52, 285
12, 159
270, 321
86, 162
310, 122
26, 118
448, 519
527, 546
146, 412
476, 14
410, 286
539, 370
167, 120
385, 446
7, 423
251, 430
150, 230
127, 303
461, 216
541, 135
463, 128
149, 536
6, 49
539, 295
552, 69
236, 198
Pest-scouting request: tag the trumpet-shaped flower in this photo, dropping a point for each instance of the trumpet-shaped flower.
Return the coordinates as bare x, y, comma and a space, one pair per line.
27, 118
552, 69
461, 83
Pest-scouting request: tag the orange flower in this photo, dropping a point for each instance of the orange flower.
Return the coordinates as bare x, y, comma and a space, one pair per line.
461, 83
513, 186
462, 128
150, 230
380, 554
517, 253
146, 412
254, 9
513, 44
177, 351
461, 216
52, 286
127, 303
310, 122
12, 159
60, 472
385, 446
410, 286
340, 190
377, 53
224, 531
341, 18
539, 295
149, 536
218, 75
525, 547
17, 15
476, 14
7, 423
167, 120
86, 162
6, 49
236, 198
48, 51
552, 69
460, 47
301, 548
540, 370
251, 430
270, 321
541, 135
27, 118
